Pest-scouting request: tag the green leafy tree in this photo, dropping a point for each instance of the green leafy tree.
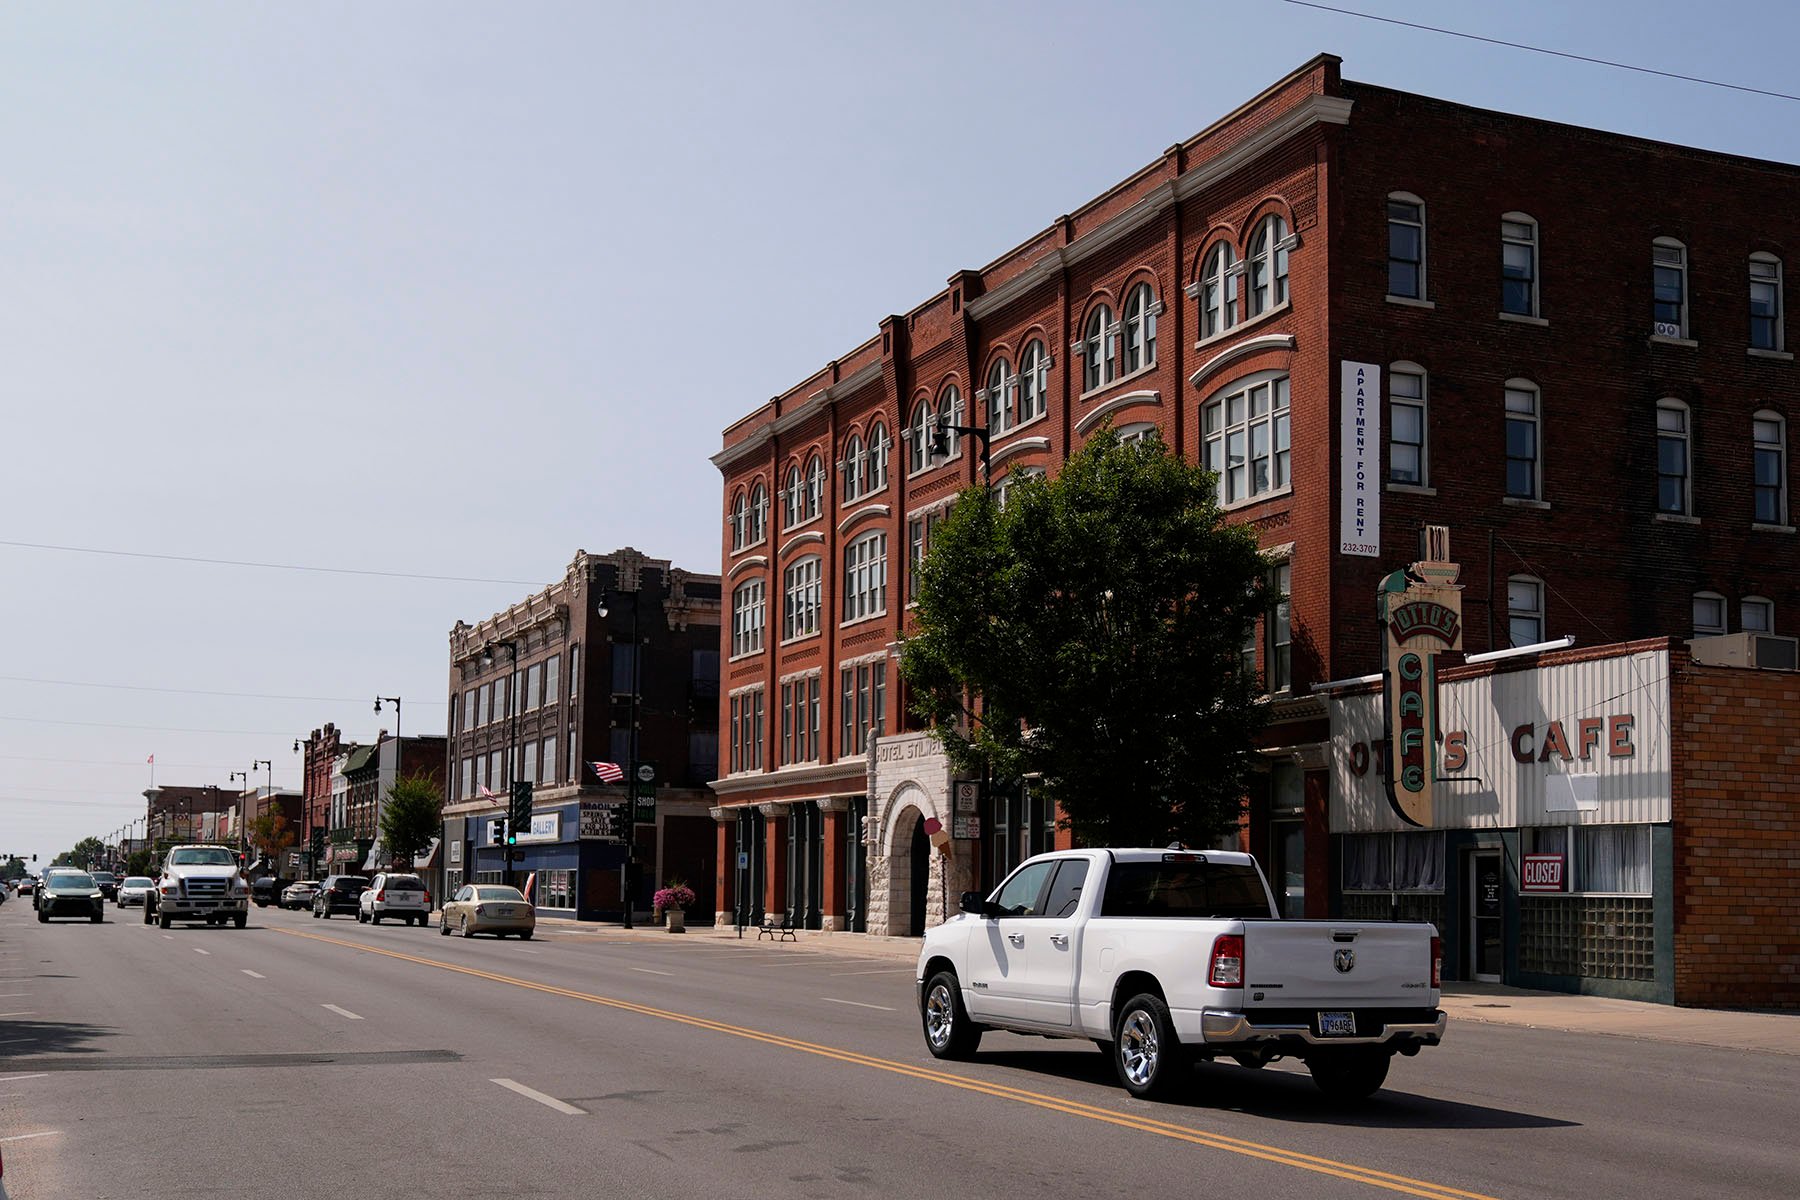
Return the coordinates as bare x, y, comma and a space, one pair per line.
1090, 632
88, 852
141, 862
411, 817
14, 869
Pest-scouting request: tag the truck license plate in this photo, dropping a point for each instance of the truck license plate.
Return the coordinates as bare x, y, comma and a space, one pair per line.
1337, 1024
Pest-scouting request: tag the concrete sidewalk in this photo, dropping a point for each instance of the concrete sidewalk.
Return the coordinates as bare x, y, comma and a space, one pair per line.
1771, 1032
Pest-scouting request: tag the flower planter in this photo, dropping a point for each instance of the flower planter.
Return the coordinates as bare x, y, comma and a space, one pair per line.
677, 920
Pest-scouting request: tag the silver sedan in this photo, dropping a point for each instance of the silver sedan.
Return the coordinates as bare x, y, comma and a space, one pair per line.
488, 908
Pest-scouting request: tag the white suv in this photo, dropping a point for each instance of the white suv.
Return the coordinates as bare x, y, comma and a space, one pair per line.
394, 895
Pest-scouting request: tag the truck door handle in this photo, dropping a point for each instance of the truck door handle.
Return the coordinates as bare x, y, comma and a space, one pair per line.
1060, 940
1017, 939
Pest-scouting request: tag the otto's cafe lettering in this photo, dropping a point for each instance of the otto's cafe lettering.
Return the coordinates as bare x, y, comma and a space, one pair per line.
1582, 739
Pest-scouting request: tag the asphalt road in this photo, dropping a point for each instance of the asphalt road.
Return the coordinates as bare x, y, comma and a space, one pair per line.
303, 1058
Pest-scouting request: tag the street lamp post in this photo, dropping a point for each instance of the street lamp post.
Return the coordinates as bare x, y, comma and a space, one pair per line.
512, 740
631, 779
243, 832
399, 757
310, 869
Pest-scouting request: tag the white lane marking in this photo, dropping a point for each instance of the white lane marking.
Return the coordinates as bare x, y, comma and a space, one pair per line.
13, 995
26, 1137
168, 937
342, 1012
648, 971
858, 1004
546, 1101
24, 1012
879, 971
10, 1041
198, 950
17, 1078
523, 950
253, 974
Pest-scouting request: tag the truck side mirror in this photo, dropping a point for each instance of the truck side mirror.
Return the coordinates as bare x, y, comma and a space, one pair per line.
970, 902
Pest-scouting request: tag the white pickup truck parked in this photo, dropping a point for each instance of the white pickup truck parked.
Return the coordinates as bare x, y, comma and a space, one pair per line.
1163, 957
199, 883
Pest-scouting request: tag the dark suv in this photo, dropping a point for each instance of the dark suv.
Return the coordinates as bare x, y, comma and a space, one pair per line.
338, 894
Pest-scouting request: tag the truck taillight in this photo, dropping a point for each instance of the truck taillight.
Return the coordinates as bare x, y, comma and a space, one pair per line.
1437, 962
381, 895
427, 899
1227, 967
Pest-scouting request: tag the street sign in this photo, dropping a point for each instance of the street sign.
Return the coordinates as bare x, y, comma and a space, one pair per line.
602, 822
645, 803
965, 828
743, 859
646, 772
968, 796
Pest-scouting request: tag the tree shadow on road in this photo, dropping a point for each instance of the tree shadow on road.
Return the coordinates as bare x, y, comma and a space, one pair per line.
1281, 1095
21, 1041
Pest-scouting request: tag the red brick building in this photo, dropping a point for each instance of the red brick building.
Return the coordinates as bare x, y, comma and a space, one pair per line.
325, 751
1572, 349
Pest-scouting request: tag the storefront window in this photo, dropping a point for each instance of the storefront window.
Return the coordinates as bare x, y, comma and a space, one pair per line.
1613, 858
1394, 862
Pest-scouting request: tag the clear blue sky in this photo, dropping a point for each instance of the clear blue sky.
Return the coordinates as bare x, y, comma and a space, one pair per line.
457, 288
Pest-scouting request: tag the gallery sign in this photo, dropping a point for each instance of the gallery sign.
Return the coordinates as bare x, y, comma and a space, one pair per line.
1359, 460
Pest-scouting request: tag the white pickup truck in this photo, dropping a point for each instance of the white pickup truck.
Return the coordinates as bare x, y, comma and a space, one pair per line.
199, 883
1163, 957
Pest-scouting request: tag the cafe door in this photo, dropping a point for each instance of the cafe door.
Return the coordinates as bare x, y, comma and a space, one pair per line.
1487, 951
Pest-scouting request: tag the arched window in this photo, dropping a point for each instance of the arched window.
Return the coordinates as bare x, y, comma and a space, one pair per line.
815, 487
950, 413
793, 500
1765, 302
1268, 263
1518, 265
1218, 291
1034, 382
1407, 458
1000, 384
1756, 615
1406, 246
1524, 444
875, 462
851, 468
1140, 328
1673, 460
1709, 614
1525, 609
1096, 349
919, 433
759, 513
1668, 274
740, 522
1768, 433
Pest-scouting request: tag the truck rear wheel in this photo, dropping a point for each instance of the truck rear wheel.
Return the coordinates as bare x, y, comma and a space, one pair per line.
1349, 1073
949, 1033
163, 920
1146, 1053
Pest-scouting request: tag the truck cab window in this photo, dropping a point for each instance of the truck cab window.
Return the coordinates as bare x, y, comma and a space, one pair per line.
1065, 892
1018, 896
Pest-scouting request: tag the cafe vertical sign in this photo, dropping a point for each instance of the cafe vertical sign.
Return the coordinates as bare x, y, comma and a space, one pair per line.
1421, 610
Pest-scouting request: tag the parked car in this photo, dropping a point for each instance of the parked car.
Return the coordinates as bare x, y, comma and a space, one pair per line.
132, 890
488, 908
266, 890
1163, 957
338, 894
108, 883
299, 894
71, 894
393, 894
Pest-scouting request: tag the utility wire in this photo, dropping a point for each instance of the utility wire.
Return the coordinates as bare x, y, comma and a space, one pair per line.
114, 762
46, 801
1602, 62
267, 566
131, 687
149, 728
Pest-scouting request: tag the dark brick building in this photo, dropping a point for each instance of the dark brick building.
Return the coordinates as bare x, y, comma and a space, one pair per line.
1574, 353
545, 689
325, 752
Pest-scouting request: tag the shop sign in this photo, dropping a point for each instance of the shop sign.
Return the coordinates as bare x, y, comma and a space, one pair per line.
602, 822
1421, 608
1541, 873
545, 827
965, 828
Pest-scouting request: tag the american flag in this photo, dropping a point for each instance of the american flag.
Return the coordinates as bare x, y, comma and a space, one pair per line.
608, 772
488, 793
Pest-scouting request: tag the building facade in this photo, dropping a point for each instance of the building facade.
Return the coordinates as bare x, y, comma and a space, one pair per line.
186, 814
1367, 311
559, 682
324, 749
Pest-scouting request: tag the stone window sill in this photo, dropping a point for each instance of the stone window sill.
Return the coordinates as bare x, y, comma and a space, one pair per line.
1759, 527
1525, 502
1772, 355
1409, 302
1675, 519
1412, 489
1663, 339
1522, 319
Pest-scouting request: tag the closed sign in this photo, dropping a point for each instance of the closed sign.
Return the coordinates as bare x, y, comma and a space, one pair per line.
1542, 873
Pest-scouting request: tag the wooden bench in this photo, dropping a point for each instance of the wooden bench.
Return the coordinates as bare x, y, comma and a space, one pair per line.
777, 927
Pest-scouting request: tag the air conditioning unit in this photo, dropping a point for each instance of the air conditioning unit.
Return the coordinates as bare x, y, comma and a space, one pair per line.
1763, 651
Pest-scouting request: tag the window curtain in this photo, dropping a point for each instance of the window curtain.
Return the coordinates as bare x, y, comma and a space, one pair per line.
1394, 862
1614, 858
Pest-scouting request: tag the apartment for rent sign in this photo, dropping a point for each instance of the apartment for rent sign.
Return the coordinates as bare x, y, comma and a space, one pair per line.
1359, 460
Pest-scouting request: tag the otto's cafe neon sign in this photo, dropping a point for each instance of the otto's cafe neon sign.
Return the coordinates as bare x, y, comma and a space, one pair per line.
1584, 739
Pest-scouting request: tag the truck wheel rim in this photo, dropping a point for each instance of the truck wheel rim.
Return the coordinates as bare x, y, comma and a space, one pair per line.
1138, 1046
939, 1016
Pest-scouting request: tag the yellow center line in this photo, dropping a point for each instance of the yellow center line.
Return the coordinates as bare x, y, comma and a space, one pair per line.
1217, 1141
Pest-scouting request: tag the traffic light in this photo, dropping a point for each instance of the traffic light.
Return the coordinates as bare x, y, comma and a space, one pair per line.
318, 843
521, 808
497, 833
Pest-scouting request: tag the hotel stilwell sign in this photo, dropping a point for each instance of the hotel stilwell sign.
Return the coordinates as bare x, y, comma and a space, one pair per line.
1421, 609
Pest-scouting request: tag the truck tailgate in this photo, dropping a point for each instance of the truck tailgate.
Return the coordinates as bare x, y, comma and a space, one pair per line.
1341, 964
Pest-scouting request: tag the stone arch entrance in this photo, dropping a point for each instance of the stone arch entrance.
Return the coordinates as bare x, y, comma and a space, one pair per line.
909, 871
